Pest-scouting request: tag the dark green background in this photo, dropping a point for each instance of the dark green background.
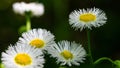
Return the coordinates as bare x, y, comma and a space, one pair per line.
104, 40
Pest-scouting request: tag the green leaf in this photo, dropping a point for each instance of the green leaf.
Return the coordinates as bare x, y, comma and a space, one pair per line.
1, 65
22, 29
117, 63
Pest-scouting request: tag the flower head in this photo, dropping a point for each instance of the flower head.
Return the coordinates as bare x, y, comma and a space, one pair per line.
39, 38
68, 53
80, 19
22, 56
36, 9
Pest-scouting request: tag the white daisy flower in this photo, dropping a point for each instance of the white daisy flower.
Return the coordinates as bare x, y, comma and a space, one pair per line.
80, 19
22, 56
39, 38
36, 9
68, 53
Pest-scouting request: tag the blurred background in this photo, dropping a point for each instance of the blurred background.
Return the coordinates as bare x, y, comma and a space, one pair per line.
104, 40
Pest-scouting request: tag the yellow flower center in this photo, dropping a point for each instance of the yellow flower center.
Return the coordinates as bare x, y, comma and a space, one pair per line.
23, 59
87, 17
67, 54
37, 43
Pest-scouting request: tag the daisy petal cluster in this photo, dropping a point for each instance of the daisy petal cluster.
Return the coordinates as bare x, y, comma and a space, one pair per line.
28, 51
39, 38
68, 53
22, 56
91, 17
36, 9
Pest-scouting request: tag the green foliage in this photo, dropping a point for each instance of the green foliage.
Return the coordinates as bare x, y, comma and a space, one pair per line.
1, 65
22, 29
117, 63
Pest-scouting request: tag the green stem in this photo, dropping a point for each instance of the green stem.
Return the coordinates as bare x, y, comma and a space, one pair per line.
103, 58
62, 67
89, 47
28, 22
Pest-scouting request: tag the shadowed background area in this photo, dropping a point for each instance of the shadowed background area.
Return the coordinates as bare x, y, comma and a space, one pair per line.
104, 40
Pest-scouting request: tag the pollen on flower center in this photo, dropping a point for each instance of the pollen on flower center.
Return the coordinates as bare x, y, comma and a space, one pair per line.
66, 54
87, 17
37, 43
23, 59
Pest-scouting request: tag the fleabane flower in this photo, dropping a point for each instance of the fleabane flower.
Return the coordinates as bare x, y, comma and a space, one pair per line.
68, 53
39, 38
22, 56
36, 9
91, 17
